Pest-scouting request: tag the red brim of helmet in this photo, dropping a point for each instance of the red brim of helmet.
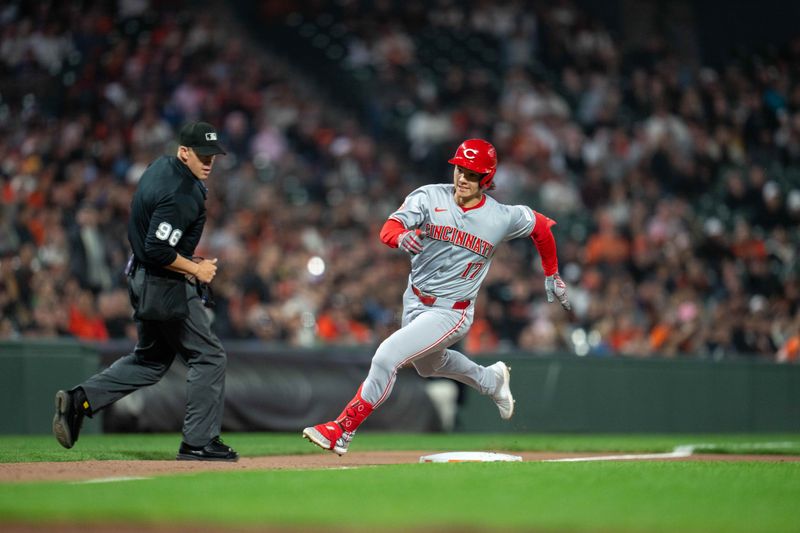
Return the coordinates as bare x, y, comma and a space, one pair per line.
466, 163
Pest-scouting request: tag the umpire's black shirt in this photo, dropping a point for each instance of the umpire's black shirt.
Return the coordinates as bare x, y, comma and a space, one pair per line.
168, 213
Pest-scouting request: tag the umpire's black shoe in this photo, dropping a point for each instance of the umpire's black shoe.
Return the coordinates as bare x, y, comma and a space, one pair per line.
68, 419
215, 450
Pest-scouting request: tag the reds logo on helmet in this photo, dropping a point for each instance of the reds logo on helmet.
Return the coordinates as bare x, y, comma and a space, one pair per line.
479, 156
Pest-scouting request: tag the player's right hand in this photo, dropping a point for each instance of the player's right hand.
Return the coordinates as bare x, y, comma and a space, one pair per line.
554, 287
206, 270
411, 241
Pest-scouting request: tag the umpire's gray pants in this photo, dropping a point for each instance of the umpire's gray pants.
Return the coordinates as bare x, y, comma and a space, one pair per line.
158, 344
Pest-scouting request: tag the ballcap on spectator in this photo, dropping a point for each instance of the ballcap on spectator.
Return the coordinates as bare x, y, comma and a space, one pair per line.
200, 137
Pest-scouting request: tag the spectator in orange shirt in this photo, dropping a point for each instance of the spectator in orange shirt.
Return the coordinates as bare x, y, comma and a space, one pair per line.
481, 337
607, 245
789, 352
334, 326
626, 336
84, 321
745, 245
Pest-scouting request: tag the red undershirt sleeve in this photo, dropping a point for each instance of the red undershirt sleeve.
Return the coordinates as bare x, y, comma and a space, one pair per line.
542, 237
390, 231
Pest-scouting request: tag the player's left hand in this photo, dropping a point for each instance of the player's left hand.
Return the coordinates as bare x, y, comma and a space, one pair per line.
554, 287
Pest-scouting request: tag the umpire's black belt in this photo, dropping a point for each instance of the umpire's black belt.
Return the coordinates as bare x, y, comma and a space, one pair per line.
134, 265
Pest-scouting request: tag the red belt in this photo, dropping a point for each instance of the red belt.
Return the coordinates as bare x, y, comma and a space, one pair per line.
430, 300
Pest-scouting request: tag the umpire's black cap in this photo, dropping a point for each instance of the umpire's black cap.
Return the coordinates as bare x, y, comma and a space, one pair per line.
200, 137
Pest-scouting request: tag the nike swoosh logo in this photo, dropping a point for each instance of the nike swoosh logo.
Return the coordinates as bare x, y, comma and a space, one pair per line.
439, 209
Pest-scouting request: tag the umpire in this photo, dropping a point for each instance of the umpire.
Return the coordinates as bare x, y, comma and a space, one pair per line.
167, 289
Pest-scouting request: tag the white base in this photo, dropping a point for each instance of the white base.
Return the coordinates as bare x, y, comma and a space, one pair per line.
468, 457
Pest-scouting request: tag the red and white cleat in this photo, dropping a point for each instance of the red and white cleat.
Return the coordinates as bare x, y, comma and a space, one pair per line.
329, 436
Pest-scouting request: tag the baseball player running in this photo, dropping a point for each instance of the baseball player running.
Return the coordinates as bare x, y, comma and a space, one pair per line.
450, 231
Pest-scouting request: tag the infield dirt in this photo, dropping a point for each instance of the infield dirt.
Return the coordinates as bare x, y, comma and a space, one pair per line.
99, 471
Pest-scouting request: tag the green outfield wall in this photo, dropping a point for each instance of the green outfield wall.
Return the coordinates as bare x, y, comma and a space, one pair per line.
572, 394
30, 374
276, 388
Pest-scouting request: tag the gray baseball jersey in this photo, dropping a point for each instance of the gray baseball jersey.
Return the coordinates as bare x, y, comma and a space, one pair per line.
459, 245
456, 255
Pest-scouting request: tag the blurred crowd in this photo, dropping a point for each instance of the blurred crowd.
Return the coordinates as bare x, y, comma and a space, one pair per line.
676, 187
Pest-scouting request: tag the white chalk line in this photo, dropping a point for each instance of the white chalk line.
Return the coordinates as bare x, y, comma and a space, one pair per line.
684, 450
680, 451
748, 446
109, 480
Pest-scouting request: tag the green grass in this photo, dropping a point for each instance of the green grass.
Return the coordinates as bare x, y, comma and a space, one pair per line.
596, 496
28, 448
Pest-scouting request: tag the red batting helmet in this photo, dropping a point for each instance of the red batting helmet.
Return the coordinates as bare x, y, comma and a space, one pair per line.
479, 156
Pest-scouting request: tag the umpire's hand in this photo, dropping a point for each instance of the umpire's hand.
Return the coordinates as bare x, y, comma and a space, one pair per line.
206, 270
